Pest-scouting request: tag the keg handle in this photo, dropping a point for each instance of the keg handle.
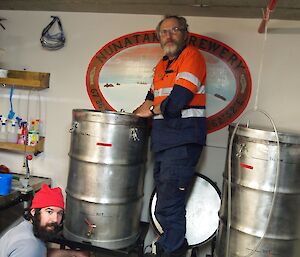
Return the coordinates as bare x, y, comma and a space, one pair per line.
91, 227
74, 126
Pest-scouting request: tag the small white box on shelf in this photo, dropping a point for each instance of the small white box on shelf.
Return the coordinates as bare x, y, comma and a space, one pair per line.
3, 73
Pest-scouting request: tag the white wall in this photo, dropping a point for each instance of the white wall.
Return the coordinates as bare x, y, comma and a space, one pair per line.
86, 33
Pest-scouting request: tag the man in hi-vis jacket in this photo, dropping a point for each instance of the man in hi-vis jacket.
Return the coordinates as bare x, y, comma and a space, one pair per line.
176, 102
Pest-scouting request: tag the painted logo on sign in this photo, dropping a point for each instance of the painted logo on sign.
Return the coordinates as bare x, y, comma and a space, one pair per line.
120, 75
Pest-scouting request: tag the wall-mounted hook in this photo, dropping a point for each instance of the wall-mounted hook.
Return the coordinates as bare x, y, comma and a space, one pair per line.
2, 19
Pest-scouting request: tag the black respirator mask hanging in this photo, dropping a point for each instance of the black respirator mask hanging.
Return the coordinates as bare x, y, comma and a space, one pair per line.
56, 40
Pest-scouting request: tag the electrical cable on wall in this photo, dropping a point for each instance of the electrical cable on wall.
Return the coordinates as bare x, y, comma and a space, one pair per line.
28, 122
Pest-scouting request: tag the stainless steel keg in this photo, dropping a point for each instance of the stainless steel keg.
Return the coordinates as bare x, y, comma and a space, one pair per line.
106, 175
253, 161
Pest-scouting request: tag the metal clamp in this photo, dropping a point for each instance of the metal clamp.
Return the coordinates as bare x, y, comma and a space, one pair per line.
240, 152
74, 126
133, 134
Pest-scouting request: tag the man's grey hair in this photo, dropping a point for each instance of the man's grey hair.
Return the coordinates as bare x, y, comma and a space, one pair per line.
181, 20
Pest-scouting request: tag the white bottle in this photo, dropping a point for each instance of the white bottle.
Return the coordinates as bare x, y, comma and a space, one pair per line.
3, 132
12, 133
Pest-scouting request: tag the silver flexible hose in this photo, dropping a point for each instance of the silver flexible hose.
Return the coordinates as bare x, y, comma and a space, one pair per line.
229, 184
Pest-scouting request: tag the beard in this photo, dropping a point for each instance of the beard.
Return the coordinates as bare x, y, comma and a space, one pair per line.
46, 232
172, 48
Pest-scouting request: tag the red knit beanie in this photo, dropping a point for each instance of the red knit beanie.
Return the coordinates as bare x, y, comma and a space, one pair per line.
47, 197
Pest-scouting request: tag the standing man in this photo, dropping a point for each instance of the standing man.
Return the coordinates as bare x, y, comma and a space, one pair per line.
42, 223
176, 102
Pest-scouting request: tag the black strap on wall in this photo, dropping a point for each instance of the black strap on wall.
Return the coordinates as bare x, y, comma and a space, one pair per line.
56, 40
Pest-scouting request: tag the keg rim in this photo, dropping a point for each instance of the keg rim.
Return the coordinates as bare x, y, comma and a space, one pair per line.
104, 111
264, 133
110, 117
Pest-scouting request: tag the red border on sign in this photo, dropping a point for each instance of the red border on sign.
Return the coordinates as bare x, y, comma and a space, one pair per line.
222, 51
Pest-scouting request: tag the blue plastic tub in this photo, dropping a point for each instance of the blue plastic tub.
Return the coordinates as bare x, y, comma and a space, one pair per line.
5, 183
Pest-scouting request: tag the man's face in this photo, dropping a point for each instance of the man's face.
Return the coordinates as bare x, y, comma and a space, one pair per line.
46, 223
172, 37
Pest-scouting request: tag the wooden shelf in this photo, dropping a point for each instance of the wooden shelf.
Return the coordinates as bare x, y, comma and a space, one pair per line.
39, 148
26, 79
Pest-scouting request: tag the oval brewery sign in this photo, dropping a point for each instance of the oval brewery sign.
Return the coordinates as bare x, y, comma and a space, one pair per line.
120, 74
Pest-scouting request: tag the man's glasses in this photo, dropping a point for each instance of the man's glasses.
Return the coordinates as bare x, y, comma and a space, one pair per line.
172, 31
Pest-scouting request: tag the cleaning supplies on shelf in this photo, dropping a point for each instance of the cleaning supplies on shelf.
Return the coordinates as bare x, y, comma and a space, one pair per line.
33, 133
22, 133
3, 131
18, 131
12, 132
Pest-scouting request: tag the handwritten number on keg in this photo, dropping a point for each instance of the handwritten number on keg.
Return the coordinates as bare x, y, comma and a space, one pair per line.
273, 158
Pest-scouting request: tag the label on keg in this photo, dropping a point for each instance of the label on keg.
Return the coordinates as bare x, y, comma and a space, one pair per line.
103, 144
244, 165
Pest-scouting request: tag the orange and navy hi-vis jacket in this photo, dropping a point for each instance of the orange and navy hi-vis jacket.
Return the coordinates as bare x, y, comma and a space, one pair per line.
179, 86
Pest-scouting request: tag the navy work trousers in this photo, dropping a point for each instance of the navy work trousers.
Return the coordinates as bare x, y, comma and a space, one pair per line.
174, 170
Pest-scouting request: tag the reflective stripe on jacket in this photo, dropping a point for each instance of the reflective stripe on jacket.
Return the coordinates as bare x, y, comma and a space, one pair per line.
187, 113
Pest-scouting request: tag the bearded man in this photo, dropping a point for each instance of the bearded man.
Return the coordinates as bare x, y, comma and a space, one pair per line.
176, 103
40, 224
